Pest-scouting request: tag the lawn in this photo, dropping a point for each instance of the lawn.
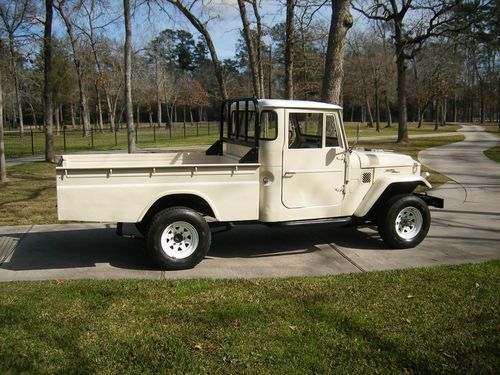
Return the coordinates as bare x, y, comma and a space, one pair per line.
100, 141
29, 196
365, 131
200, 134
430, 321
493, 153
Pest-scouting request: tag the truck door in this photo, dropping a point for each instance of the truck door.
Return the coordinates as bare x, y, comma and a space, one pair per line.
313, 160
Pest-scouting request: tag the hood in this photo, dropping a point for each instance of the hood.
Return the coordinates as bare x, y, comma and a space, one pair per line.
379, 159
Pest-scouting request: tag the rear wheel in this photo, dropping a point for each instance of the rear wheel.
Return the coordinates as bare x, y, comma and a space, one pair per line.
178, 238
404, 221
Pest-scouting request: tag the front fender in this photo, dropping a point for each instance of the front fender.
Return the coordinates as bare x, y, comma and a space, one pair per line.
381, 185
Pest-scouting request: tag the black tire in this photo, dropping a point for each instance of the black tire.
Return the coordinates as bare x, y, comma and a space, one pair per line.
404, 221
184, 245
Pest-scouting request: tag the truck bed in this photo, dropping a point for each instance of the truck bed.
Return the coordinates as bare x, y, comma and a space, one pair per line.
122, 187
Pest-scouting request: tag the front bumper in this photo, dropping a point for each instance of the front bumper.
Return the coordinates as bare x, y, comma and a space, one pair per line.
430, 200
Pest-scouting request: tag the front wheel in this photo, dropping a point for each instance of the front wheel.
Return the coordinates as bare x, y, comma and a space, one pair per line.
178, 238
404, 221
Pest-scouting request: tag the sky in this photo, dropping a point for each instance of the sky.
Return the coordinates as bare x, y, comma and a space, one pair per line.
224, 24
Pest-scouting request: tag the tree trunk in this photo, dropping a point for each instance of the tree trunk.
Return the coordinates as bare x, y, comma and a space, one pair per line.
341, 22
129, 111
33, 115
454, 107
443, 112
79, 72
388, 111
150, 119
191, 116
100, 123
258, 47
138, 114
252, 54
436, 114
111, 113
72, 111
377, 108
3, 171
47, 88
482, 106
369, 111
270, 72
16, 83
289, 44
58, 124
401, 74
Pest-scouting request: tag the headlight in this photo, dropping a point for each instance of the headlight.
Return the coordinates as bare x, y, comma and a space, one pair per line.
426, 175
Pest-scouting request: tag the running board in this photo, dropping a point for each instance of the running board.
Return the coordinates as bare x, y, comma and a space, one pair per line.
330, 221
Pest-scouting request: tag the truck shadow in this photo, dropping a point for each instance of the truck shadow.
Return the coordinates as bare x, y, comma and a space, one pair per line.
78, 249
84, 248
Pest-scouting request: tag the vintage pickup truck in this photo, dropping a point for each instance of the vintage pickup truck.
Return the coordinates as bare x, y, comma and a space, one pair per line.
277, 162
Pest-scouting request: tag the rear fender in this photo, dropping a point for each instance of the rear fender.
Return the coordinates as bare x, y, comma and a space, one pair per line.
389, 185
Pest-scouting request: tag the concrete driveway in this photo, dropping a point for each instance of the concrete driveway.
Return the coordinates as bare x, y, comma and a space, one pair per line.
467, 230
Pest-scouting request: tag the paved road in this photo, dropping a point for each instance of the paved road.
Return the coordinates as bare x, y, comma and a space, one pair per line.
467, 230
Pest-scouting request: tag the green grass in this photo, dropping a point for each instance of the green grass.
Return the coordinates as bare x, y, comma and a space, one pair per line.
492, 127
426, 128
101, 141
429, 321
493, 153
29, 196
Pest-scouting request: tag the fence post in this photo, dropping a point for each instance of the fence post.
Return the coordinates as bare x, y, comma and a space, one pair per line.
116, 137
154, 134
136, 132
32, 143
184, 129
92, 137
64, 137
197, 130
170, 129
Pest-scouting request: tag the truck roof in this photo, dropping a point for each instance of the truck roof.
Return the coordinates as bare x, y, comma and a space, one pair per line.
302, 104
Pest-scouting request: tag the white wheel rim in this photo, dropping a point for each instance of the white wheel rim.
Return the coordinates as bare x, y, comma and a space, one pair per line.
409, 222
179, 240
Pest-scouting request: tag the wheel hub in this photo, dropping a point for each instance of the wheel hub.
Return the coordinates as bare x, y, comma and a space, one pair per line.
409, 223
179, 240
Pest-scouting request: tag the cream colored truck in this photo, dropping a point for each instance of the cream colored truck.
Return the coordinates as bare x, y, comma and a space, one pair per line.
278, 162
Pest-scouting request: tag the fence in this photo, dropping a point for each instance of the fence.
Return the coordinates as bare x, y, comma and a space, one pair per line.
72, 140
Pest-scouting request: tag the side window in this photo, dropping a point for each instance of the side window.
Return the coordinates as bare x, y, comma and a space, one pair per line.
268, 125
305, 130
332, 139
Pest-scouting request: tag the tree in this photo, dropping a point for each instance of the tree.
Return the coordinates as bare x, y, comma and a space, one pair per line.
129, 110
3, 173
253, 43
413, 23
15, 15
341, 22
202, 29
47, 74
289, 44
61, 6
